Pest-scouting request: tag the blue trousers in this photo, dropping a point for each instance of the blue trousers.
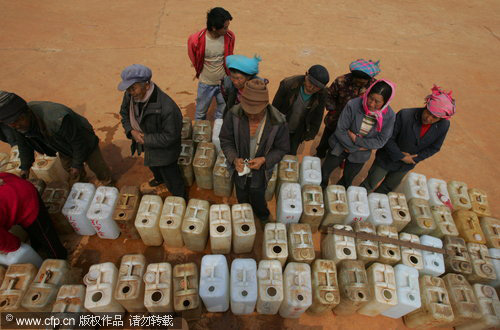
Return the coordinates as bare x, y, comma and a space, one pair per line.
205, 95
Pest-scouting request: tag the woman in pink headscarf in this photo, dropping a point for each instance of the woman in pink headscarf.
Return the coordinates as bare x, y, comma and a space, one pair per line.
418, 134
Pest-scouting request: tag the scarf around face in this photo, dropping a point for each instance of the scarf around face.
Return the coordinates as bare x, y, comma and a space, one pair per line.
378, 114
135, 116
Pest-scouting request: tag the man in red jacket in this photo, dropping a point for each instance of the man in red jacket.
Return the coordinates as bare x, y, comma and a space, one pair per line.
21, 205
207, 50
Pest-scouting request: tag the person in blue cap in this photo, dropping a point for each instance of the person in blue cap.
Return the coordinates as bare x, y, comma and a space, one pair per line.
153, 121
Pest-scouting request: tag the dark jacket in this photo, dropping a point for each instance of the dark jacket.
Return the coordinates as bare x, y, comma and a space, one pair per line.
8, 135
406, 137
56, 128
161, 124
235, 143
285, 97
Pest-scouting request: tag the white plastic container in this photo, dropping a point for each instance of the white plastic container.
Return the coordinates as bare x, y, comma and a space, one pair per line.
223, 181
382, 283
16, 282
195, 224
49, 169
129, 291
438, 192
14, 154
408, 292
313, 207
325, 286
76, 207
300, 243
489, 306
288, 171
187, 128
338, 247
380, 211
336, 207
297, 289
414, 185
410, 256
158, 288
289, 205
220, 229
275, 243
271, 184
243, 286
147, 220
495, 253
101, 282
171, 221
399, 208
433, 262
310, 171
70, 299
214, 283
215, 133
202, 131
24, 255
270, 282
459, 195
244, 230
101, 211
359, 210
4, 158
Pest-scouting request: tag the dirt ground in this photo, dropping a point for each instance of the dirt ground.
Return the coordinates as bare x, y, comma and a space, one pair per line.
72, 52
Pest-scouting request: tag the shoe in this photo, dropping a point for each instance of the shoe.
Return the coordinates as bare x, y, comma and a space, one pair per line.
155, 183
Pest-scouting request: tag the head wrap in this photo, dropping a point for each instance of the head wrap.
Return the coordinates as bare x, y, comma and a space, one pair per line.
255, 96
369, 67
244, 64
379, 115
440, 103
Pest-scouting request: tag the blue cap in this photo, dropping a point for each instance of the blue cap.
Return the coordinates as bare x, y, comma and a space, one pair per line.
134, 73
243, 63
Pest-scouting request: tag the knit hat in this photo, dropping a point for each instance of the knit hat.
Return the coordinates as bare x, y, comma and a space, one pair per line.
247, 65
255, 96
11, 107
366, 66
134, 73
318, 75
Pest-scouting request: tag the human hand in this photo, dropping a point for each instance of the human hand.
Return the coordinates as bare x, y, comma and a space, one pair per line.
239, 164
408, 159
256, 163
137, 136
74, 173
363, 149
352, 136
2, 182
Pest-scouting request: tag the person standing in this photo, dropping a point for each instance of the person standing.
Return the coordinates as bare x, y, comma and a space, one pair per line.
207, 50
254, 138
343, 89
153, 122
418, 134
302, 99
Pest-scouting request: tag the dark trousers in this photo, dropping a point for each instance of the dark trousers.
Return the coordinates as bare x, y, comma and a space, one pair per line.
95, 162
332, 162
323, 145
171, 176
391, 179
295, 142
43, 235
256, 198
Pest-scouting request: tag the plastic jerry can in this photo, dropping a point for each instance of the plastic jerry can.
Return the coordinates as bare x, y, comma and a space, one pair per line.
158, 288
382, 283
185, 281
70, 299
76, 207
243, 286
479, 202
25, 254
12, 167
338, 247
214, 283
4, 158
101, 212
300, 243
202, 131
380, 211
438, 192
215, 133
40, 185
410, 256
270, 286
489, 308
129, 290
336, 206
310, 171
433, 261
325, 287
414, 185
126, 211
171, 221
49, 169
422, 221
482, 266
223, 181
54, 199
353, 286
14, 154
456, 258
366, 250
359, 209
101, 282
436, 309
289, 205
399, 210
444, 222
288, 170
185, 161
297, 290
491, 230
388, 253
495, 255
463, 301
271, 184
312, 206
244, 230
147, 220
195, 225
459, 195
220, 229
275, 243
203, 164
43, 290
16, 282
187, 128
407, 290
468, 226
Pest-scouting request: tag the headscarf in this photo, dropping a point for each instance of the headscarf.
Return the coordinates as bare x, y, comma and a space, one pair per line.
369, 67
244, 64
379, 115
440, 103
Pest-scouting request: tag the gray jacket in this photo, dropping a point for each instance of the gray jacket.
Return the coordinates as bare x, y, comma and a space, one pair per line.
351, 119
